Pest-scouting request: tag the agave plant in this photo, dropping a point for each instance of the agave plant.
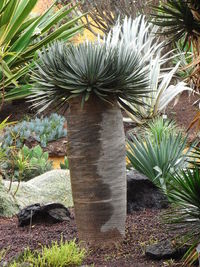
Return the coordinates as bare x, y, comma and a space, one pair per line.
92, 77
156, 156
21, 36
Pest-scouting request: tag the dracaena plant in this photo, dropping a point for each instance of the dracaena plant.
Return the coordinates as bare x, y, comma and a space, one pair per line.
92, 78
101, 69
21, 35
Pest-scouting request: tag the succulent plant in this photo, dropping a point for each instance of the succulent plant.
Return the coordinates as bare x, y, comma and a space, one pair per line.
25, 164
42, 130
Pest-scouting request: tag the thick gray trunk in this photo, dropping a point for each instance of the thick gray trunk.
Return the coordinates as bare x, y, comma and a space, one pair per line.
96, 152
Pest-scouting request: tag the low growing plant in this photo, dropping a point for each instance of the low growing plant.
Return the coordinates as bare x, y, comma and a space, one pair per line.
25, 164
65, 165
158, 127
157, 155
42, 130
184, 196
58, 255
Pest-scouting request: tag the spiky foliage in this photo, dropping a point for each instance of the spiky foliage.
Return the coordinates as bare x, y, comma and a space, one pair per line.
21, 35
180, 20
156, 156
102, 69
177, 19
102, 15
139, 34
184, 196
159, 127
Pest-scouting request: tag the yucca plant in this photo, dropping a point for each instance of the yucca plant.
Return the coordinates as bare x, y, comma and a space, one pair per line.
141, 34
159, 127
92, 77
184, 196
158, 156
180, 21
21, 35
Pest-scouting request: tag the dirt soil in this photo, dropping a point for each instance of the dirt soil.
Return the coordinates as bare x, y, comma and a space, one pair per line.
142, 228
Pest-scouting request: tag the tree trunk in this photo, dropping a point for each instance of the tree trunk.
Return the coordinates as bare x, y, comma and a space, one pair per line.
96, 153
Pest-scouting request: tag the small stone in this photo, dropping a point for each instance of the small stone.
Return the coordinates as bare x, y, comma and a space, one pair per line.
164, 250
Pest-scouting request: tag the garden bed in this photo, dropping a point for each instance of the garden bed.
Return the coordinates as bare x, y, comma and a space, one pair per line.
142, 228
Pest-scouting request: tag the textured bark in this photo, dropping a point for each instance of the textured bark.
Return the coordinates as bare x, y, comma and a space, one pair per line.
96, 153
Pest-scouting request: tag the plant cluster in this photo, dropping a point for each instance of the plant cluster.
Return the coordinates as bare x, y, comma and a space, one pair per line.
29, 163
65, 164
42, 130
25, 164
60, 254
163, 156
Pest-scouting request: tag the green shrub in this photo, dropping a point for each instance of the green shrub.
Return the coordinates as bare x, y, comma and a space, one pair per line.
26, 163
58, 255
158, 154
158, 127
41, 130
65, 165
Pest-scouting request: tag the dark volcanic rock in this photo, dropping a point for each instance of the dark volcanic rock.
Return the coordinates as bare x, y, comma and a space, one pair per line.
142, 193
164, 250
36, 213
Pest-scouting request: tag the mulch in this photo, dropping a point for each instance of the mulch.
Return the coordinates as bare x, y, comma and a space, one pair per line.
142, 228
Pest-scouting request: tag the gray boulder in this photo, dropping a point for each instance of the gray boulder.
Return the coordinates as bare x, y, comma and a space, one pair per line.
142, 193
8, 204
51, 187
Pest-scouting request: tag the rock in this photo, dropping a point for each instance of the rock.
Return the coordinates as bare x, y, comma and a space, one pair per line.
164, 250
8, 204
50, 187
50, 213
142, 193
